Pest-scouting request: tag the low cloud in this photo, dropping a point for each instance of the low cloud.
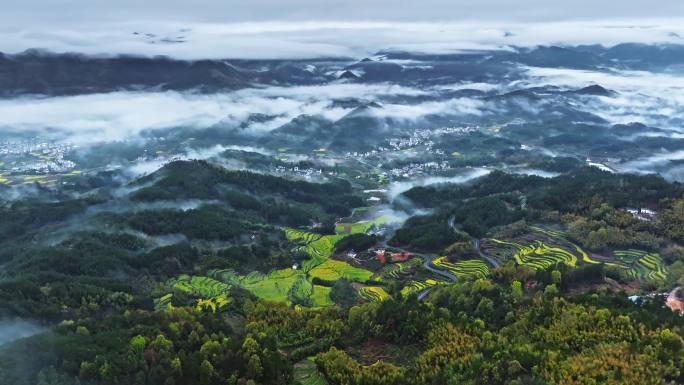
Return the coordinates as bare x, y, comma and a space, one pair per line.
655, 99
398, 187
14, 329
324, 38
123, 116
663, 163
117, 116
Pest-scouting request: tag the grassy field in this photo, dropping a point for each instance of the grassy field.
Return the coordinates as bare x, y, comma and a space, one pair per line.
274, 286
361, 226
332, 270
295, 285
321, 296
470, 268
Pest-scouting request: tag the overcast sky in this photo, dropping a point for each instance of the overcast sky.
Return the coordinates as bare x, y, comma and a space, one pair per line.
277, 28
24, 12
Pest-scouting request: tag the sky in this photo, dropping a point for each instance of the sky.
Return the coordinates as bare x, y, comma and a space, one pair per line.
314, 28
70, 11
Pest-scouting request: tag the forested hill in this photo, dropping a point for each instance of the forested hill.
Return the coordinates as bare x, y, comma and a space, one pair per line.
592, 204
246, 190
140, 292
565, 193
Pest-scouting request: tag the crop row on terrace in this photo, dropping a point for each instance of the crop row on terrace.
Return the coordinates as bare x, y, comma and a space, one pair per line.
418, 286
373, 293
561, 239
317, 247
400, 270
470, 268
642, 265
540, 255
199, 286
210, 293
537, 255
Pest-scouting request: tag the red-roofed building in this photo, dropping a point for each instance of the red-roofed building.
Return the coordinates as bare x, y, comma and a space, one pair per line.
380, 256
401, 257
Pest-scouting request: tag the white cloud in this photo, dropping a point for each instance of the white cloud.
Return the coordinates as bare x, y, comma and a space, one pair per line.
457, 106
85, 119
651, 163
398, 187
288, 39
650, 98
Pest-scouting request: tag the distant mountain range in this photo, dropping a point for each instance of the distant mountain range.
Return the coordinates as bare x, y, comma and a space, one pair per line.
38, 72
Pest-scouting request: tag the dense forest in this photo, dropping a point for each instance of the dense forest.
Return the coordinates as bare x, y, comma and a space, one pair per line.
477, 332
151, 293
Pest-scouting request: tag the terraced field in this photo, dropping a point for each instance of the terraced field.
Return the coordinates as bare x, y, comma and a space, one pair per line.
418, 286
540, 255
332, 270
211, 294
373, 293
561, 238
537, 255
470, 268
163, 302
642, 265
318, 247
352, 228
400, 270
199, 286
285, 285
213, 303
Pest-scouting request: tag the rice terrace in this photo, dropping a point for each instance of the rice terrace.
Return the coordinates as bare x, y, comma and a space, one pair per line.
310, 284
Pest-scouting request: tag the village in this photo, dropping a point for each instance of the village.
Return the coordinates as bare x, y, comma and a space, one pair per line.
35, 156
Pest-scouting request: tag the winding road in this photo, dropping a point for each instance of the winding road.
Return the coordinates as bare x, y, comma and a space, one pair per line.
476, 243
492, 261
428, 258
427, 263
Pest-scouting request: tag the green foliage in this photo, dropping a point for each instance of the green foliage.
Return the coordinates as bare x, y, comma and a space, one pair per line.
429, 233
357, 242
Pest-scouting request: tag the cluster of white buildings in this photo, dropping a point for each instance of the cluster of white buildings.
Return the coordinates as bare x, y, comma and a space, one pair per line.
642, 214
307, 173
423, 136
418, 168
36, 157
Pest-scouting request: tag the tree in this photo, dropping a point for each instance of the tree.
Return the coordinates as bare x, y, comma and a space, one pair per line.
207, 372
516, 291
